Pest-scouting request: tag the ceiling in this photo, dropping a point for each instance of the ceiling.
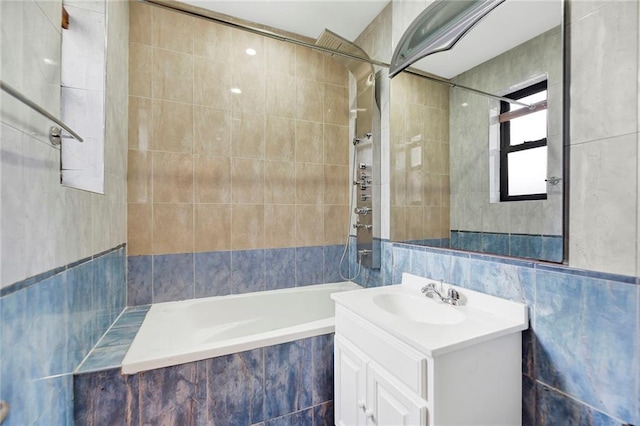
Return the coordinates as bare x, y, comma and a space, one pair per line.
347, 18
507, 26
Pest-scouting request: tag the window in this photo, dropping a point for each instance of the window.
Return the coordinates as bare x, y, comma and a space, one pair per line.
523, 145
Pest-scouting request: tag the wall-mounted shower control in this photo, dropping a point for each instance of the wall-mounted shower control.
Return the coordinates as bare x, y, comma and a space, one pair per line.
364, 252
363, 166
362, 210
365, 197
362, 226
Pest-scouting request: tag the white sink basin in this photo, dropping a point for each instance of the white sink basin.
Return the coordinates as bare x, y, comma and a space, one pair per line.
419, 308
428, 325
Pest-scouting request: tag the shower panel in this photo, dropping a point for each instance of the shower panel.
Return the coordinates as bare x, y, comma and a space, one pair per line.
366, 170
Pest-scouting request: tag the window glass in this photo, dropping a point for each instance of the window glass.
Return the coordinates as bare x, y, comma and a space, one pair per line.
528, 128
528, 171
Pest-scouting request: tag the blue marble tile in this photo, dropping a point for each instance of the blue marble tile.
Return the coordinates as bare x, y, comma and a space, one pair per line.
359, 276
460, 271
401, 263
300, 418
48, 328
212, 274
122, 336
417, 262
332, 267
470, 240
528, 349
132, 415
47, 332
104, 358
236, 388
554, 408
139, 280
528, 401
353, 256
495, 243
323, 414
586, 335
247, 271
172, 277
529, 246
102, 314
501, 280
437, 265
116, 281
322, 372
16, 359
280, 268
101, 399
386, 263
552, 248
309, 266
131, 318
81, 317
287, 387
454, 241
50, 400
370, 278
173, 395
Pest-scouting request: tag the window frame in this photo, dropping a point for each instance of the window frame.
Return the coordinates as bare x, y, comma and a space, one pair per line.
505, 142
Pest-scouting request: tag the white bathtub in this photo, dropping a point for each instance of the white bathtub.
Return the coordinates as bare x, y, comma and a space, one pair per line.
191, 330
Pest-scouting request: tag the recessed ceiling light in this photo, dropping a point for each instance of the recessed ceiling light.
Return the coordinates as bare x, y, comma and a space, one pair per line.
236, 90
250, 52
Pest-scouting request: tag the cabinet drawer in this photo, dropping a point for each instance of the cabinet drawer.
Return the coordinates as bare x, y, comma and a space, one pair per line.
402, 361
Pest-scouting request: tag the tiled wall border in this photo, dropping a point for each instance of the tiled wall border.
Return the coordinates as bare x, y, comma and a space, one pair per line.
28, 282
286, 384
553, 267
170, 277
545, 247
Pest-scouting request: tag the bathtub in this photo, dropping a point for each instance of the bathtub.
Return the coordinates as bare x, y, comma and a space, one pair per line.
191, 330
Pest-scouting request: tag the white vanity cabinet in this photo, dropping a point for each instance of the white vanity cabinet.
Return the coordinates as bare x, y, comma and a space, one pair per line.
382, 380
367, 394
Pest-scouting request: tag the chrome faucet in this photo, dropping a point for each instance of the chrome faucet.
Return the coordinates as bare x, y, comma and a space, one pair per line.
430, 290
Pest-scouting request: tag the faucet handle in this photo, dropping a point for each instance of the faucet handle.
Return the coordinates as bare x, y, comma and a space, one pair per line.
453, 294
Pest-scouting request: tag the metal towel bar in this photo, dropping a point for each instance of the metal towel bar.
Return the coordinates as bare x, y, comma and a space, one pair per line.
54, 134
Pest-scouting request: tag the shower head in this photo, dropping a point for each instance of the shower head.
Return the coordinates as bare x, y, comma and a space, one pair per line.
333, 41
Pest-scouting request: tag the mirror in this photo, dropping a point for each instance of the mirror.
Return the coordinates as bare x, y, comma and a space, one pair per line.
449, 146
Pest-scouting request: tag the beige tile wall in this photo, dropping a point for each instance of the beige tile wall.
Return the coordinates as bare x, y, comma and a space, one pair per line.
214, 170
420, 195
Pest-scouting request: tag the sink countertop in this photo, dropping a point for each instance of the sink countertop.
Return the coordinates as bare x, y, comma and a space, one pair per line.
486, 317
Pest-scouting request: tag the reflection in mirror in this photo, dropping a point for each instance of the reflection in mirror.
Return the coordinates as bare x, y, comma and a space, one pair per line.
455, 153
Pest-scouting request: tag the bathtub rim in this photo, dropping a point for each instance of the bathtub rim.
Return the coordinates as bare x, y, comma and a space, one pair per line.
240, 344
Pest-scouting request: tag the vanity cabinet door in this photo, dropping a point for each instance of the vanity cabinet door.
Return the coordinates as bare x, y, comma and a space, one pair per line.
390, 404
350, 384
